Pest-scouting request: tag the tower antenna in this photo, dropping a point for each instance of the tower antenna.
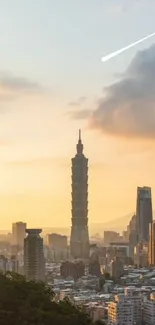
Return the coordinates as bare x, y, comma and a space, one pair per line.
79, 134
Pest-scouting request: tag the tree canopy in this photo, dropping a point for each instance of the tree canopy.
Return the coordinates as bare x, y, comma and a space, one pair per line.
30, 303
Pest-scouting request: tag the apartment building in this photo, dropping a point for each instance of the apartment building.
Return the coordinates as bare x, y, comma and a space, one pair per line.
149, 310
120, 312
127, 308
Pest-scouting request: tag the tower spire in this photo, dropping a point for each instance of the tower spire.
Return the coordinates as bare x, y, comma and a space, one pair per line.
79, 134
79, 146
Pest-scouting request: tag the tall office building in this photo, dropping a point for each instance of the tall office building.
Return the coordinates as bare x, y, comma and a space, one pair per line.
18, 233
143, 213
79, 241
34, 262
132, 229
152, 244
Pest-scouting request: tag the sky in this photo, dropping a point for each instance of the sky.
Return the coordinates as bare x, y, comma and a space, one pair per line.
52, 82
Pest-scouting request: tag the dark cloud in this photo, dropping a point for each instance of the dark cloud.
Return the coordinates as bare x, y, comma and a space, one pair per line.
12, 86
128, 107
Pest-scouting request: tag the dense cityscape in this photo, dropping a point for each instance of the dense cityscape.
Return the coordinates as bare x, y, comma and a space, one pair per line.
113, 279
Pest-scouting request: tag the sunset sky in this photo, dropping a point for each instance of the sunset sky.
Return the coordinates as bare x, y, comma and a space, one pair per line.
52, 82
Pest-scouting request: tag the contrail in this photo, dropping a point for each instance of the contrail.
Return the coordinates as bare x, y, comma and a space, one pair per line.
112, 55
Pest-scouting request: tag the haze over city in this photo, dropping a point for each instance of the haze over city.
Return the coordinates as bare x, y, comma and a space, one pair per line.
52, 83
77, 162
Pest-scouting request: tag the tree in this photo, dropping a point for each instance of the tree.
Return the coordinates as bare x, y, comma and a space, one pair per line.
30, 303
100, 322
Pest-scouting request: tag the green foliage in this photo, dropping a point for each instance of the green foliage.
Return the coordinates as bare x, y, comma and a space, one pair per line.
30, 303
100, 322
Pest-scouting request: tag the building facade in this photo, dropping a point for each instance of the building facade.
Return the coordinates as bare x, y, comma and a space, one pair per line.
132, 229
94, 261
120, 311
57, 241
149, 310
18, 233
34, 262
152, 244
126, 309
74, 269
79, 240
143, 213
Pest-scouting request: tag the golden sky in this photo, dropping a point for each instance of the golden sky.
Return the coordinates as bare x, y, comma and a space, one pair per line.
37, 143
52, 83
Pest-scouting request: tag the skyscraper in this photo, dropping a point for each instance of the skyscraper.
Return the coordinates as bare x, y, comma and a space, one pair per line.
79, 241
18, 233
34, 262
152, 244
132, 229
143, 213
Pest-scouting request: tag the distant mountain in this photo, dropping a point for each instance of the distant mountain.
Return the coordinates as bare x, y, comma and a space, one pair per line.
118, 224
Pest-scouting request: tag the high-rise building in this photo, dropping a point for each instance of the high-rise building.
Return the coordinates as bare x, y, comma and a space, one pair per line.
79, 241
143, 213
127, 308
94, 261
116, 267
57, 247
120, 311
132, 229
152, 245
111, 236
149, 310
57, 241
18, 233
141, 254
34, 262
74, 269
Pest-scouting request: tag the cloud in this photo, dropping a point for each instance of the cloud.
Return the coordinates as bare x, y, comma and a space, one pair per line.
39, 161
12, 86
79, 114
128, 107
81, 100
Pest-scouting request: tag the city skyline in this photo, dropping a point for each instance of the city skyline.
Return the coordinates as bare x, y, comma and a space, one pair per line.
48, 90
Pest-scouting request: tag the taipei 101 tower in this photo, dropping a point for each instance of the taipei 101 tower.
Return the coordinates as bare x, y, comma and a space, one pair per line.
79, 241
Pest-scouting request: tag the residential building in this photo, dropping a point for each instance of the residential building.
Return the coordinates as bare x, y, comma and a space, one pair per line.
149, 310
127, 308
120, 311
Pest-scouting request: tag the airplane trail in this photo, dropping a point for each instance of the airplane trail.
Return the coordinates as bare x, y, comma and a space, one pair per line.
112, 55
